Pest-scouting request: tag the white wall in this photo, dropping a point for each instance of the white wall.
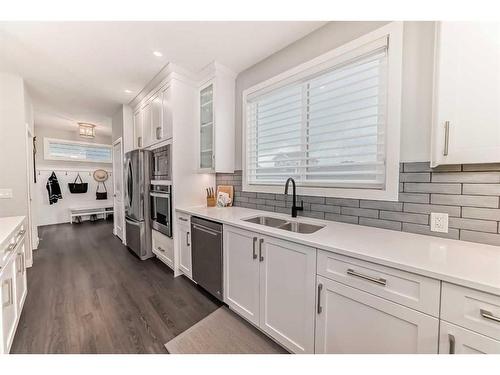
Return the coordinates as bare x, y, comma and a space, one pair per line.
417, 77
13, 156
66, 172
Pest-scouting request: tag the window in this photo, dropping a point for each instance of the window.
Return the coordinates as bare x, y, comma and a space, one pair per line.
60, 149
326, 125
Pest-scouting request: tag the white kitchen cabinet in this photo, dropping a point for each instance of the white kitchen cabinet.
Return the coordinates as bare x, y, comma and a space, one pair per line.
270, 282
350, 321
166, 107
457, 340
163, 248
184, 241
466, 112
147, 124
9, 308
287, 281
216, 120
241, 272
138, 139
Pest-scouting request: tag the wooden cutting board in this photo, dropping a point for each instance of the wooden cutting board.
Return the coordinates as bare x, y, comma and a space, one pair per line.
229, 189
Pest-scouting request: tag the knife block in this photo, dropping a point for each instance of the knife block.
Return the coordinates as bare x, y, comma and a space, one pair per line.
211, 202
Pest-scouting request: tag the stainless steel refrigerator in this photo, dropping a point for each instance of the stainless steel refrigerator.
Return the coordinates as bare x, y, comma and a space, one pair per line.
137, 179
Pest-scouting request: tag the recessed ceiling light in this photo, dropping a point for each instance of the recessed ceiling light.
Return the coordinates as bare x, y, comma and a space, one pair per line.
128, 91
157, 53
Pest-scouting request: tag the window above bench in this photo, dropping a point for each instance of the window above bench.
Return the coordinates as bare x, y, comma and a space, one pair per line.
332, 123
61, 149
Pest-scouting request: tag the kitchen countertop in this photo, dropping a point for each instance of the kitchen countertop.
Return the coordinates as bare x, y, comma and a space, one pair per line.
7, 226
460, 262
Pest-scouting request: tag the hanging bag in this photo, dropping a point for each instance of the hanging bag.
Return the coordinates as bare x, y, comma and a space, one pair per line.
101, 195
78, 187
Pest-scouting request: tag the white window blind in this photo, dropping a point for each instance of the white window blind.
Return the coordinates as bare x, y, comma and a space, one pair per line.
59, 149
324, 130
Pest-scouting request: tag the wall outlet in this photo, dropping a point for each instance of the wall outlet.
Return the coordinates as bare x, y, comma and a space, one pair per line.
5, 193
439, 222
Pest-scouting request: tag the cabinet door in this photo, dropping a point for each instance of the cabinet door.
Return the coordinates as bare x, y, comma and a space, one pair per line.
241, 273
466, 126
147, 124
167, 122
185, 249
21, 282
207, 151
287, 293
9, 310
138, 140
457, 340
350, 321
156, 118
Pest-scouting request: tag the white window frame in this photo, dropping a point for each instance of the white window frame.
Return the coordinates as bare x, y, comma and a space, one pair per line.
47, 156
394, 32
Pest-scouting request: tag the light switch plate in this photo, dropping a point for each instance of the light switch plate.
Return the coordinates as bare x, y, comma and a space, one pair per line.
5, 193
439, 222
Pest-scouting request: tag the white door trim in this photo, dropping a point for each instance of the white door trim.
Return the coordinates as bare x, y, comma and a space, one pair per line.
116, 205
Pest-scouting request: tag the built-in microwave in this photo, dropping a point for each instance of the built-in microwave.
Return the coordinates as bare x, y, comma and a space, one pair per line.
162, 164
161, 208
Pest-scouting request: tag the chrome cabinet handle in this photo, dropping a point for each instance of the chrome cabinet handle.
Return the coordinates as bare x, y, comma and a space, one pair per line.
160, 248
11, 247
21, 232
451, 340
187, 239
183, 219
139, 141
20, 267
9, 301
320, 288
379, 281
158, 132
446, 137
261, 258
488, 315
254, 251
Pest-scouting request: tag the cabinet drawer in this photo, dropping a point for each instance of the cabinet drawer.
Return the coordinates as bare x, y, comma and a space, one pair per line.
415, 291
163, 248
10, 245
457, 340
183, 218
471, 309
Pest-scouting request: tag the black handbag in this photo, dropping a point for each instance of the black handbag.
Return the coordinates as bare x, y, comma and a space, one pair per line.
78, 187
101, 195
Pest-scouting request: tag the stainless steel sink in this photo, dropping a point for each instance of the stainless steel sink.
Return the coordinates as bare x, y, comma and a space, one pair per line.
267, 221
291, 226
298, 227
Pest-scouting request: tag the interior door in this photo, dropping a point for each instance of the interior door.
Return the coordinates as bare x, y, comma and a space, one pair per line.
119, 213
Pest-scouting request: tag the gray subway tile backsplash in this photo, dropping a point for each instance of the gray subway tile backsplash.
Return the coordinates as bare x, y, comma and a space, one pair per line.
469, 194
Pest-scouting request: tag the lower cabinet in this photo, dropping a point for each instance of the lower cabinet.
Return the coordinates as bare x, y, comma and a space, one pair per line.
350, 321
163, 248
278, 299
20, 269
184, 242
457, 340
9, 308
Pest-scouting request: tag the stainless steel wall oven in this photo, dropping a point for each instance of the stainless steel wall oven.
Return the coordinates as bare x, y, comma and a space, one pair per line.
161, 208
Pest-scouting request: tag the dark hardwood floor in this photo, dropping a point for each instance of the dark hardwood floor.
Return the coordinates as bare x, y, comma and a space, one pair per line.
88, 294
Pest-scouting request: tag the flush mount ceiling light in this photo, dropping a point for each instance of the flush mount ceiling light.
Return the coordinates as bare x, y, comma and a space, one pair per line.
157, 53
86, 130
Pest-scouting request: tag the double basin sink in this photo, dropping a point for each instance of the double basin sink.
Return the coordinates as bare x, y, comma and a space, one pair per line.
291, 226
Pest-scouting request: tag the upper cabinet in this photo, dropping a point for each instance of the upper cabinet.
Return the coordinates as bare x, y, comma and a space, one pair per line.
466, 116
216, 120
153, 119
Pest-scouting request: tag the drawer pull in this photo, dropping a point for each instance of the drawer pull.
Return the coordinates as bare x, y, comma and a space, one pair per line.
183, 219
21, 232
446, 137
379, 281
11, 247
254, 252
10, 293
160, 248
261, 258
488, 315
320, 309
451, 339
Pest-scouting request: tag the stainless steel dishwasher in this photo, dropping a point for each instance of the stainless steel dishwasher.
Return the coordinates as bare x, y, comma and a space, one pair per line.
206, 254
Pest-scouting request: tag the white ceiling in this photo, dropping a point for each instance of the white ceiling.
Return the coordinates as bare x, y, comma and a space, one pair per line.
78, 71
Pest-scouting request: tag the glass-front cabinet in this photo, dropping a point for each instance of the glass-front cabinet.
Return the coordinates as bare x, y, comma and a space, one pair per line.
207, 127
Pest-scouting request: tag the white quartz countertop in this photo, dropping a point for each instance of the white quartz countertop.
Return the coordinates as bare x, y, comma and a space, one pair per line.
459, 262
7, 226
